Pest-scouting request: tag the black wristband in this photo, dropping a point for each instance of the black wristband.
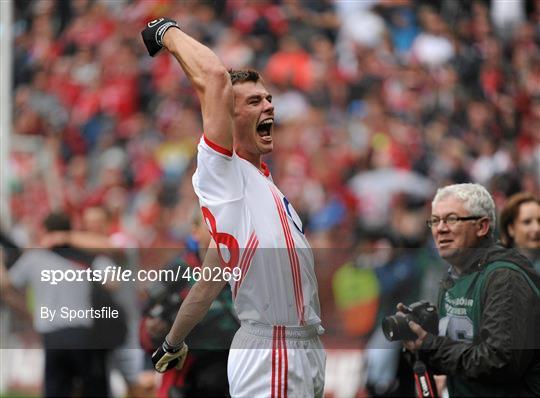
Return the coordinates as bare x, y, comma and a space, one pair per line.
173, 349
153, 34
160, 32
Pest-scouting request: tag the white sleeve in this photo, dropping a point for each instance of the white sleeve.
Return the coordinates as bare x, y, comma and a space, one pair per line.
218, 178
219, 183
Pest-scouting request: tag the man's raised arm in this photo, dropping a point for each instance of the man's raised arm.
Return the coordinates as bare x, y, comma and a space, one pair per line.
205, 71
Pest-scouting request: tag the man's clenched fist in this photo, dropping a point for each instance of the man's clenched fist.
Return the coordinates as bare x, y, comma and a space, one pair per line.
153, 33
166, 357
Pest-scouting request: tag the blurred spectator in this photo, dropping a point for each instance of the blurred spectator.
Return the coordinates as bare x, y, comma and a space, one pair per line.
507, 15
403, 27
361, 29
366, 290
263, 22
433, 47
520, 225
376, 188
355, 101
96, 236
290, 65
72, 367
95, 232
234, 50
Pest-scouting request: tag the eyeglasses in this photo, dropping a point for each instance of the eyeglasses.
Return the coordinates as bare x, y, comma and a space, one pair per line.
451, 219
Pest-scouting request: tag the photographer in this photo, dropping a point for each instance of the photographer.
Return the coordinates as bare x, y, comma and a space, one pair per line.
489, 303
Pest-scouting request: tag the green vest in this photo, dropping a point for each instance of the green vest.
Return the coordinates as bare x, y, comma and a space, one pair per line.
460, 309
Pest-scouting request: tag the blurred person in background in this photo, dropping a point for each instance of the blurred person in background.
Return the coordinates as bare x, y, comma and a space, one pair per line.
397, 279
520, 225
128, 358
95, 236
79, 60
72, 366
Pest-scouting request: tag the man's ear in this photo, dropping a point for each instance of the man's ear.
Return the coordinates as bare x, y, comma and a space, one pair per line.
483, 227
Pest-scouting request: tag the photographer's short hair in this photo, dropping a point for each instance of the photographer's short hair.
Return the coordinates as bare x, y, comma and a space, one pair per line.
476, 200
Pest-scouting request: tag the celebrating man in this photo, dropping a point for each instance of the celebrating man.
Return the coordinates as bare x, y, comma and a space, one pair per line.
254, 228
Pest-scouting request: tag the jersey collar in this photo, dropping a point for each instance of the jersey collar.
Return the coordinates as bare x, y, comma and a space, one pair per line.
263, 169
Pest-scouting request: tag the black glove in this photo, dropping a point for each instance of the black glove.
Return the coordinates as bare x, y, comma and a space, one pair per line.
153, 33
167, 357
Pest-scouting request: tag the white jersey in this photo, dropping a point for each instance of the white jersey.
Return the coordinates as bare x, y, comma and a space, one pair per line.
258, 231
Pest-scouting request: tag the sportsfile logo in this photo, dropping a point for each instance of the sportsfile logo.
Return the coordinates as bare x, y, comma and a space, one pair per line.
154, 22
118, 274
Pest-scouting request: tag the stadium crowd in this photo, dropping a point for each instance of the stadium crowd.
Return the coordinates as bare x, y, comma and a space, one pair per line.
378, 103
373, 98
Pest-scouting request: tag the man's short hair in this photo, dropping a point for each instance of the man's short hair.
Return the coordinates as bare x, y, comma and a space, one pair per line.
57, 221
476, 200
242, 76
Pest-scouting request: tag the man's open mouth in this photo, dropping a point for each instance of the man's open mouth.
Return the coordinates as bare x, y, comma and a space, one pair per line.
264, 128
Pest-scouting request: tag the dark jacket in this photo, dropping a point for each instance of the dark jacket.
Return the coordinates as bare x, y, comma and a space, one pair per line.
503, 356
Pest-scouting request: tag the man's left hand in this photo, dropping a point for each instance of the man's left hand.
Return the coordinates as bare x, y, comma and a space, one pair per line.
164, 358
415, 345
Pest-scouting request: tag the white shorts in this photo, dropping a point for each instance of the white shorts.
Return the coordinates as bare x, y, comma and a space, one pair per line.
276, 362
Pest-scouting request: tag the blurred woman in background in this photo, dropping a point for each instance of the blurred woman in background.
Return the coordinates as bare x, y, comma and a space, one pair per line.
520, 225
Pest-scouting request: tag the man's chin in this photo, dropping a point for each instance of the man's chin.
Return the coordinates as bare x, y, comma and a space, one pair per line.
452, 254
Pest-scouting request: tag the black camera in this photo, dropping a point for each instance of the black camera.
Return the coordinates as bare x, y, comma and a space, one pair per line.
396, 327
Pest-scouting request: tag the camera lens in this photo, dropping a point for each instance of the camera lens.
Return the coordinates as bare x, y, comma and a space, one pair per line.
397, 328
389, 327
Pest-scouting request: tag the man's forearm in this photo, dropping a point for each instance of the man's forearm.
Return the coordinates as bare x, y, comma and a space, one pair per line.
90, 241
193, 309
197, 302
197, 60
211, 81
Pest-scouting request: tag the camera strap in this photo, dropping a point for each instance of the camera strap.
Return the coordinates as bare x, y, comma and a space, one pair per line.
425, 384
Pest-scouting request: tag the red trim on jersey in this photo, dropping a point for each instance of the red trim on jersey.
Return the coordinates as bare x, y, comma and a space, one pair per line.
285, 377
280, 363
265, 170
216, 147
245, 261
248, 263
280, 359
274, 341
293, 256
